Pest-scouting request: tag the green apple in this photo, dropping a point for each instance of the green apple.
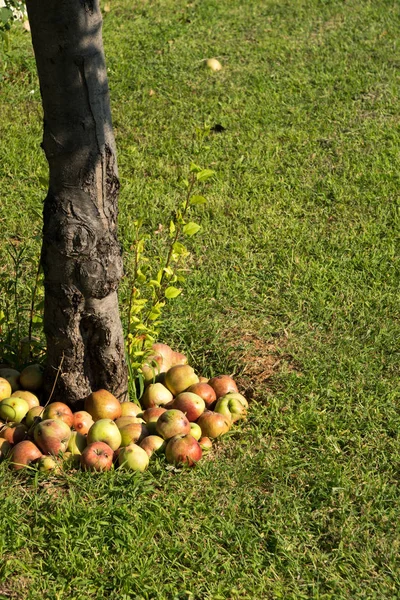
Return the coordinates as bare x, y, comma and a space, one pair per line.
77, 443
105, 430
13, 410
133, 457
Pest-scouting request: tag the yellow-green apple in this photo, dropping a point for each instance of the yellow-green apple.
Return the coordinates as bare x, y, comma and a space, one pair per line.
5, 448
34, 415
190, 404
46, 464
179, 378
156, 394
23, 454
13, 410
183, 450
122, 421
152, 444
213, 424
31, 378
60, 411
82, 421
133, 433
105, 430
52, 436
14, 433
232, 407
130, 409
205, 391
77, 443
172, 422
31, 399
222, 384
195, 431
205, 444
151, 416
12, 376
5, 388
97, 456
133, 457
71, 461
103, 405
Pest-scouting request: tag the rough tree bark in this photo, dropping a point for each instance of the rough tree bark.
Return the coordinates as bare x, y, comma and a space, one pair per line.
81, 256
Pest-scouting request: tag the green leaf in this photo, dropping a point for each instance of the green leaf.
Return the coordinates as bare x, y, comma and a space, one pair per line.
205, 174
172, 292
172, 228
179, 249
198, 200
191, 228
154, 283
195, 168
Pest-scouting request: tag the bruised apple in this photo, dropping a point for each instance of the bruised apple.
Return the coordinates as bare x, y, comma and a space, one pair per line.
14, 433
233, 406
183, 450
103, 405
60, 411
82, 421
172, 422
23, 454
97, 456
52, 436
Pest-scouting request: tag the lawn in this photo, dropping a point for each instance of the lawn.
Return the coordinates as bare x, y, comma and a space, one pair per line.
293, 288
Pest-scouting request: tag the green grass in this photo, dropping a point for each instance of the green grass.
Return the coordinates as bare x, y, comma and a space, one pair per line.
297, 266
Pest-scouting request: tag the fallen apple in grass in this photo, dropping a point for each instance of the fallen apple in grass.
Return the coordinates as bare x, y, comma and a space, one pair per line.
133, 457
52, 436
31, 399
183, 450
47, 464
179, 378
77, 443
5, 448
172, 422
105, 430
153, 444
14, 432
222, 385
97, 456
82, 421
133, 433
190, 404
195, 431
102, 405
60, 411
205, 444
232, 407
205, 391
156, 394
151, 416
23, 454
213, 424
130, 409
13, 410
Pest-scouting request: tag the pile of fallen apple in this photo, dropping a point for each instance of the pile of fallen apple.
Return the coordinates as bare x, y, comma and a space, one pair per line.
180, 415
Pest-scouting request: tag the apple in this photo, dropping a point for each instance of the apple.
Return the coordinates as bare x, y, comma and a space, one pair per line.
156, 394
77, 443
31, 378
52, 436
12, 376
223, 384
213, 424
203, 379
162, 359
152, 444
5, 448
34, 415
23, 454
205, 391
31, 399
71, 461
179, 378
13, 410
190, 404
133, 433
122, 421
183, 450
205, 444
5, 388
172, 422
133, 457
14, 433
105, 430
103, 405
151, 416
82, 421
130, 409
213, 64
97, 456
60, 411
232, 407
45, 464
195, 431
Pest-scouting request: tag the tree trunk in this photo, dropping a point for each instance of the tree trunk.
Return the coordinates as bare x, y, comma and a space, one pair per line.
81, 256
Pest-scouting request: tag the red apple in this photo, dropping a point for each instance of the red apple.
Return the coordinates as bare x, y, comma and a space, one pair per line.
103, 405
23, 454
52, 436
190, 404
105, 430
82, 421
59, 411
223, 384
205, 391
205, 444
183, 450
151, 416
213, 424
172, 422
14, 433
97, 456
